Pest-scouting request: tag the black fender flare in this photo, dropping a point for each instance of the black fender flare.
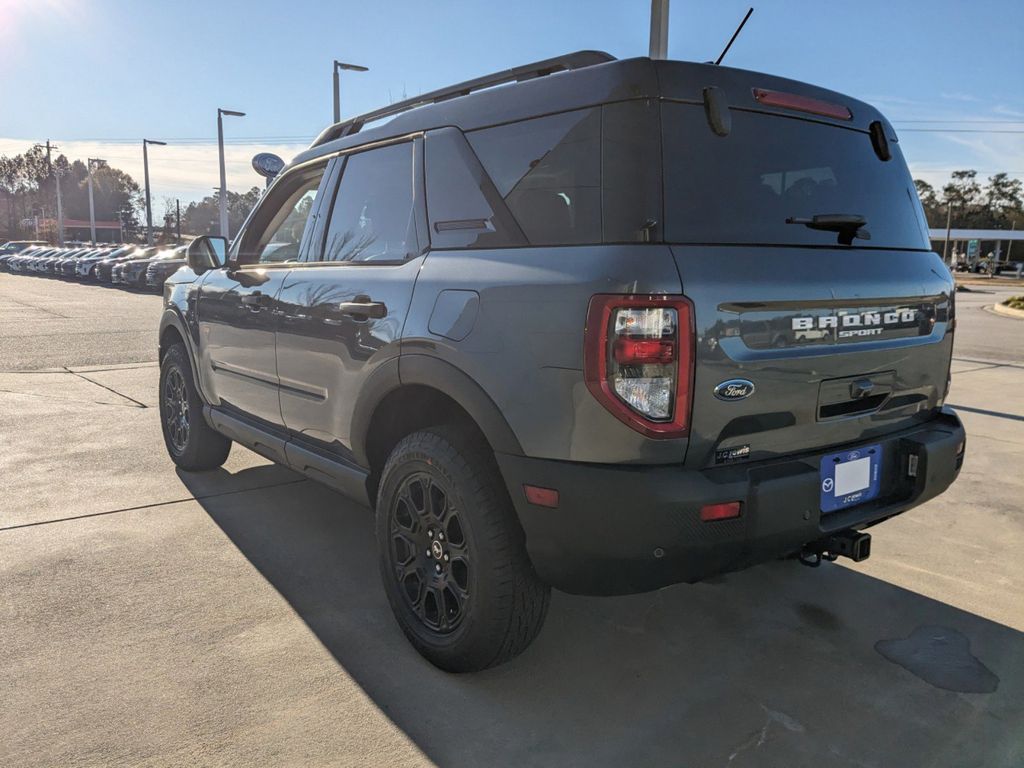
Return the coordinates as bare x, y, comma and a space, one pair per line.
433, 372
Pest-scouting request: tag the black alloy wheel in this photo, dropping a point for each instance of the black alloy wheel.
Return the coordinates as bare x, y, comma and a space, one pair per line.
191, 443
176, 410
429, 552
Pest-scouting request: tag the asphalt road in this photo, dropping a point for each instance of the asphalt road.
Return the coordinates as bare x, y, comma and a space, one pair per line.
151, 617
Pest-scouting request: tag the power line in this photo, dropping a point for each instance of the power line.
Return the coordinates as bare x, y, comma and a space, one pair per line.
960, 130
1004, 122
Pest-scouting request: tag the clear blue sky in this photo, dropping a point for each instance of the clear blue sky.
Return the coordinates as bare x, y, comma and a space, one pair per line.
113, 69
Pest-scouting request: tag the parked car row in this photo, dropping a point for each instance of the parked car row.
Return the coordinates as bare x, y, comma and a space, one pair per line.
132, 266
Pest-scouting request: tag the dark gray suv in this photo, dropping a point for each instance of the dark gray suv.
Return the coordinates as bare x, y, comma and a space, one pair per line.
610, 326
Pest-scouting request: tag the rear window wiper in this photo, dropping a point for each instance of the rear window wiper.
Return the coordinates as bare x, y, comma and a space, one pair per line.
847, 225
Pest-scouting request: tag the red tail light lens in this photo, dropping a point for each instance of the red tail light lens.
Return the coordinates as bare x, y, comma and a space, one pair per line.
638, 360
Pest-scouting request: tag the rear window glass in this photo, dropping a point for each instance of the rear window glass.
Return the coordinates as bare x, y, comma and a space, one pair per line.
742, 187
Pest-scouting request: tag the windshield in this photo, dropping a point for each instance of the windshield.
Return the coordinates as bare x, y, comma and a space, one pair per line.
742, 187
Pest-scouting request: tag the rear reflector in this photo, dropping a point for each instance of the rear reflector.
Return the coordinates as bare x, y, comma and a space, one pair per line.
542, 497
724, 511
802, 104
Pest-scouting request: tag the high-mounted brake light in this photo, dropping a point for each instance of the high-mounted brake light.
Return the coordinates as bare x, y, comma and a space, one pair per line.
638, 360
802, 104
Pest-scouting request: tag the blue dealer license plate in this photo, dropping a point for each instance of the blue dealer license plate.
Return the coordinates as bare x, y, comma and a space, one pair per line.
850, 477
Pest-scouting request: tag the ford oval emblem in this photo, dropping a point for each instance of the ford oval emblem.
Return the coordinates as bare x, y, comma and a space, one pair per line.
734, 389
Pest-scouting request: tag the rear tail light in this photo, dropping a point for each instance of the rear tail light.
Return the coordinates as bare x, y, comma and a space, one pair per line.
638, 360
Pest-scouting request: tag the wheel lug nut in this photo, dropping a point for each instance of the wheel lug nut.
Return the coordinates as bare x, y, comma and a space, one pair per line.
437, 567
429, 553
430, 533
446, 558
440, 535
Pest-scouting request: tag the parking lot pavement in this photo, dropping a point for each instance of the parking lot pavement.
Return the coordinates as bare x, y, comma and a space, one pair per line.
48, 323
152, 617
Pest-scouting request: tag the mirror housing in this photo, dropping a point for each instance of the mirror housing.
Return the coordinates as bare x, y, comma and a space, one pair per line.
206, 253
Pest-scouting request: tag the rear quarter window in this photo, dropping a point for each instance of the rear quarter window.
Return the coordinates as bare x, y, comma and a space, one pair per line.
548, 170
742, 187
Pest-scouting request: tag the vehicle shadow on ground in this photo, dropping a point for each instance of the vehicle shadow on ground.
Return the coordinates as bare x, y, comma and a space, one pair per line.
773, 666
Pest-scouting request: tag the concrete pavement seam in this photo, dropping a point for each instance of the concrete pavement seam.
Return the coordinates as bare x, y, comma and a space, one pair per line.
109, 389
153, 505
51, 398
985, 412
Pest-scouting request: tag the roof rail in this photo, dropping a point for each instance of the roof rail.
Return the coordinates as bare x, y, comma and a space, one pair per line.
577, 60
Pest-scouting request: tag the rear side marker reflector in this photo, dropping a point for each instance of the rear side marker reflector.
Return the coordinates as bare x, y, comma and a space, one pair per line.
542, 497
726, 511
802, 104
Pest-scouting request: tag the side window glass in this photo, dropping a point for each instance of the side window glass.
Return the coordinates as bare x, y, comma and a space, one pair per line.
466, 210
548, 170
373, 217
277, 232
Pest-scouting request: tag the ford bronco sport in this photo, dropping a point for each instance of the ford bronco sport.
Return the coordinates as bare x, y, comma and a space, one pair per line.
610, 326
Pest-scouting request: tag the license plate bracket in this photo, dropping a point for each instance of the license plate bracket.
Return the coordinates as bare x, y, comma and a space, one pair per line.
850, 477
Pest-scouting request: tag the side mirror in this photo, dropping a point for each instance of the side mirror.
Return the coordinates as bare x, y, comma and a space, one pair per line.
206, 252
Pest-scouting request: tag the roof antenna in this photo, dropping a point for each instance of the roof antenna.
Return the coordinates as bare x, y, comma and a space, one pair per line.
734, 36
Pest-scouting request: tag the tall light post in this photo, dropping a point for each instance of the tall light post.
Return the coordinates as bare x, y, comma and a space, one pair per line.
338, 66
145, 170
92, 207
223, 176
949, 226
658, 48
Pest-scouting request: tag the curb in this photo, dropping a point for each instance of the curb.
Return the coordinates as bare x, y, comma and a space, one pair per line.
1005, 311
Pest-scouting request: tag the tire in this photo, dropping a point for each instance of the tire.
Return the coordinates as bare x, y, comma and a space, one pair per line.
190, 441
475, 601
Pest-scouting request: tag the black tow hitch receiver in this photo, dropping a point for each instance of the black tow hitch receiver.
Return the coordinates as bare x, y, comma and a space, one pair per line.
852, 544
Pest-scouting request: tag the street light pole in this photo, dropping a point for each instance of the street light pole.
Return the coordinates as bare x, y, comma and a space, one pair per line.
223, 175
149, 206
338, 66
949, 225
658, 48
92, 207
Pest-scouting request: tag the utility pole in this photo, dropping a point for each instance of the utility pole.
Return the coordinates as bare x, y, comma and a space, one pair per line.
223, 176
338, 66
56, 177
92, 207
1009, 244
149, 207
659, 29
177, 215
949, 224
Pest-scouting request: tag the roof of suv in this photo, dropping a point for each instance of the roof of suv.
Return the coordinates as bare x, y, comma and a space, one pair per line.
576, 81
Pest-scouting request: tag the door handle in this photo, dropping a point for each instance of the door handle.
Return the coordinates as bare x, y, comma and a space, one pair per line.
253, 300
362, 308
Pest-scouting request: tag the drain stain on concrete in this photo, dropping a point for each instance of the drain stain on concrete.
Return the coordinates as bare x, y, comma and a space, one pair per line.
941, 657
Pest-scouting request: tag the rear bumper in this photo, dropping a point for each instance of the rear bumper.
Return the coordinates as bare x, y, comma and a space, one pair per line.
620, 529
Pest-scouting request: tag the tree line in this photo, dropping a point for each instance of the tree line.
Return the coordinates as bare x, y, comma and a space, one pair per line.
28, 189
998, 204
28, 186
